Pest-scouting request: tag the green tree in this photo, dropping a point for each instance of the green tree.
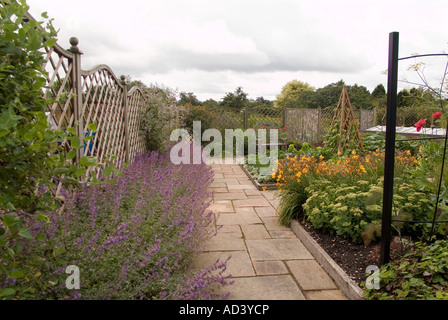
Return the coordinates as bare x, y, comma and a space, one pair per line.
403, 98
235, 100
360, 97
379, 91
379, 97
211, 104
261, 102
190, 98
330, 94
291, 95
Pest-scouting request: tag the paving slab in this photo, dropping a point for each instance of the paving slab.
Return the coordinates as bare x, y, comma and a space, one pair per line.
279, 287
230, 196
265, 268
239, 264
228, 181
223, 242
266, 212
255, 231
218, 185
218, 190
238, 219
270, 194
268, 261
254, 202
253, 192
325, 295
282, 234
272, 224
243, 187
234, 230
224, 206
245, 210
277, 249
310, 275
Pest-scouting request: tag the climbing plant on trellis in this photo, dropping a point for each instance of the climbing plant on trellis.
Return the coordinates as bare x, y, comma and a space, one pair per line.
344, 130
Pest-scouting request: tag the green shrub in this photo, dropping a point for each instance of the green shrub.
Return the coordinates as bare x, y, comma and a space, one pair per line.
343, 210
25, 138
421, 274
158, 117
197, 113
354, 211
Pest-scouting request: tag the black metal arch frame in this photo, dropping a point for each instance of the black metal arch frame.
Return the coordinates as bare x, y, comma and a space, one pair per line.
392, 88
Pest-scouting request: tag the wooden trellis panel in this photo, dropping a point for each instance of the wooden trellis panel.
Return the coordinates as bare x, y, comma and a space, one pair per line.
135, 105
96, 96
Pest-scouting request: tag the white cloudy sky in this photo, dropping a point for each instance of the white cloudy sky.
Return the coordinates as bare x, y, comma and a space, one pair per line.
211, 47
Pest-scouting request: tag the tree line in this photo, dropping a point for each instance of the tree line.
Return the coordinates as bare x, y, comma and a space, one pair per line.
298, 94
295, 94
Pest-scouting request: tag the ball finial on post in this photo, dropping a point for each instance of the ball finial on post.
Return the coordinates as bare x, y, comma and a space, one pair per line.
74, 42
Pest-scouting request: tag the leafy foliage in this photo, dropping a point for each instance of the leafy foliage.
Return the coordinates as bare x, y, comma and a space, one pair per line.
354, 210
292, 95
421, 274
297, 94
343, 195
25, 138
158, 117
235, 100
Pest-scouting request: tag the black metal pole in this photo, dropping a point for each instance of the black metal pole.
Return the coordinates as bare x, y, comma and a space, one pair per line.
389, 164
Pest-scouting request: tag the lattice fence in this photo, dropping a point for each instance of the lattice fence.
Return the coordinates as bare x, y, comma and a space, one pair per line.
259, 117
229, 119
80, 98
407, 116
309, 125
306, 125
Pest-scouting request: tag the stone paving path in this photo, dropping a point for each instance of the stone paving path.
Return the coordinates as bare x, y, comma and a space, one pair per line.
268, 261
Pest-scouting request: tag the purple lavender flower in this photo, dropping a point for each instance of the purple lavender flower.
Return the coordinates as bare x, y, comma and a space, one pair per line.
133, 239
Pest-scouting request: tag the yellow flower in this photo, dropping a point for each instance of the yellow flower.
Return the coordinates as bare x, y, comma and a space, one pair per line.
363, 170
265, 188
354, 152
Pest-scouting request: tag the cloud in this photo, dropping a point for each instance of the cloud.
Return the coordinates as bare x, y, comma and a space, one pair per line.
205, 46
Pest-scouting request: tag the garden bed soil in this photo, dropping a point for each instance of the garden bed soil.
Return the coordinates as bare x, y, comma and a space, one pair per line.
353, 258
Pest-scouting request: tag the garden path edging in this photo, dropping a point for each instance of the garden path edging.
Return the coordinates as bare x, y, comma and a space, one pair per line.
343, 281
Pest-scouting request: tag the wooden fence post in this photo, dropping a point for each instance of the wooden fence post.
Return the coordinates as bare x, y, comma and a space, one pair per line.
246, 119
285, 117
126, 119
77, 91
319, 124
